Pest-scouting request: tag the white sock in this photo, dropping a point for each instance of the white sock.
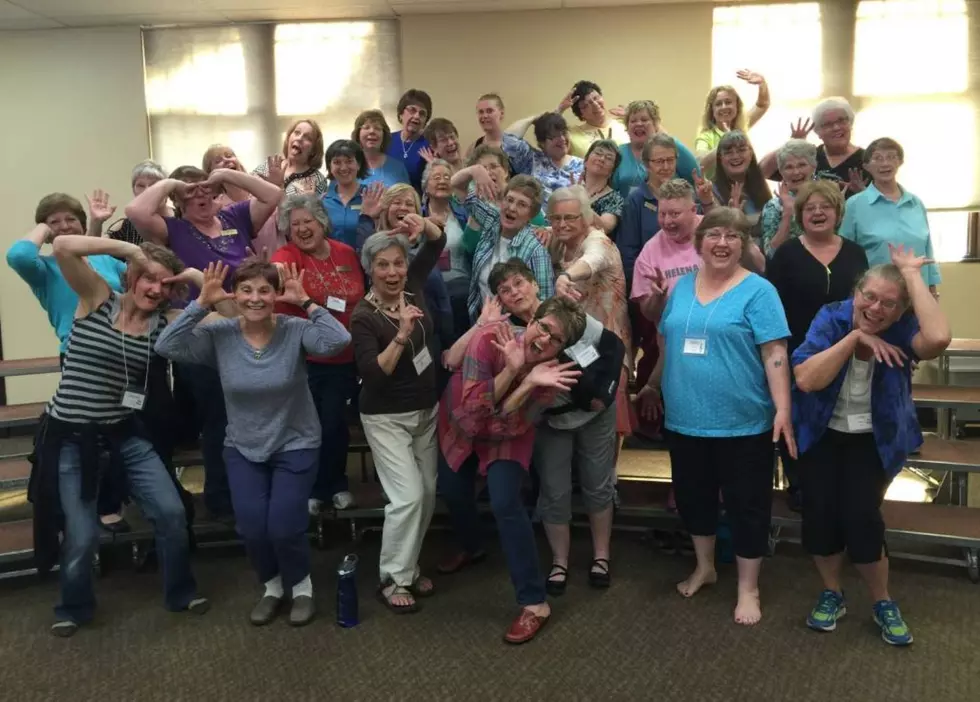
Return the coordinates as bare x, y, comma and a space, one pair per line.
273, 588
304, 588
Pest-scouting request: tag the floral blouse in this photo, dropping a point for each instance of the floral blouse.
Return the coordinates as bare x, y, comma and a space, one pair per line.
553, 177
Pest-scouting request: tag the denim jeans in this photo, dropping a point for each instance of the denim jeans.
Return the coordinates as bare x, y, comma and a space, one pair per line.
504, 480
332, 386
270, 511
154, 491
204, 385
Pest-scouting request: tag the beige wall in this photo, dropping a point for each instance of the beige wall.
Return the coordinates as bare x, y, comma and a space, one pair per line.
73, 119
661, 53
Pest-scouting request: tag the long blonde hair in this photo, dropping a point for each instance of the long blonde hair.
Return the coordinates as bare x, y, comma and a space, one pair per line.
708, 118
386, 200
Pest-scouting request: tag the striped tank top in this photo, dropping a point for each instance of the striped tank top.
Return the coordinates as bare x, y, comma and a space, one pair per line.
101, 363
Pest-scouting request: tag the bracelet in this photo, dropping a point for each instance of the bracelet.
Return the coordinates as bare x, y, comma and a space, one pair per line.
308, 303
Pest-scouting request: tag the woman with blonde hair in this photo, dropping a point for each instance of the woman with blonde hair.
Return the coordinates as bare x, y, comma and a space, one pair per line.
725, 111
297, 169
642, 120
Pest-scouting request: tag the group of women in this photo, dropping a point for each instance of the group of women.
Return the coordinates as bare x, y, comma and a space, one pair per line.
483, 313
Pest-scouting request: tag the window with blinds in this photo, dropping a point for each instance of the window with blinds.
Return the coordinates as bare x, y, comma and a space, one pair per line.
905, 66
242, 85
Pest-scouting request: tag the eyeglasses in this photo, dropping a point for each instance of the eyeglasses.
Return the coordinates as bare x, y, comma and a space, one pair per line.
818, 207
872, 299
722, 236
603, 156
561, 219
661, 162
552, 335
890, 157
839, 122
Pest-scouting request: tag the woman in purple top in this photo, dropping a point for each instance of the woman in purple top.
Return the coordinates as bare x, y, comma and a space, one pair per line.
201, 234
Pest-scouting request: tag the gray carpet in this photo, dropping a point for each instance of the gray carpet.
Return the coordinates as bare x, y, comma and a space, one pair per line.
637, 641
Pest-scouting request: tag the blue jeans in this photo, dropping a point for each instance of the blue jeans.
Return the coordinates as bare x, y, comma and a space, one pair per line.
504, 480
155, 493
204, 385
270, 511
332, 387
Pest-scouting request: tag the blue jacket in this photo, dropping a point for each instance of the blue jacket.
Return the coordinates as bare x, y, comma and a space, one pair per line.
894, 423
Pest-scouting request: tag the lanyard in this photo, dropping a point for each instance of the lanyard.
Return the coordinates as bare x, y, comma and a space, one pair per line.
713, 304
372, 297
146, 375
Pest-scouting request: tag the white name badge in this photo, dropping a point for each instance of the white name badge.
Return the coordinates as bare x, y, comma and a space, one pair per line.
695, 346
859, 422
422, 360
336, 304
583, 354
133, 400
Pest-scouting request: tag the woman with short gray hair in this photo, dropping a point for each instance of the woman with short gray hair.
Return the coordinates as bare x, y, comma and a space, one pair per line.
393, 345
797, 162
145, 173
333, 279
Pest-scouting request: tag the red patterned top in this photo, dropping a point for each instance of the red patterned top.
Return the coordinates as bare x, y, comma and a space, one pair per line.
470, 421
338, 276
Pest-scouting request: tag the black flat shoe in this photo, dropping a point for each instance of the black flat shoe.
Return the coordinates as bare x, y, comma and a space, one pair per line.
553, 586
599, 578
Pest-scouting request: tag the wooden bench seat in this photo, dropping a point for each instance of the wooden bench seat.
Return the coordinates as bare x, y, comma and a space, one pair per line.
945, 396
30, 366
21, 415
14, 474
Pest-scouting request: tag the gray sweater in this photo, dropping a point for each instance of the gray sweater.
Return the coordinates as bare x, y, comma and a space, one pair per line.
267, 398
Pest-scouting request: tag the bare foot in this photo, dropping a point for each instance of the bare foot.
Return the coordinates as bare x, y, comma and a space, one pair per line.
699, 578
748, 611
111, 518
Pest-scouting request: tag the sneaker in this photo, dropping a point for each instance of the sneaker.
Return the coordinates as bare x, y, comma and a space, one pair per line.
343, 500
894, 630
830, 607
314, 507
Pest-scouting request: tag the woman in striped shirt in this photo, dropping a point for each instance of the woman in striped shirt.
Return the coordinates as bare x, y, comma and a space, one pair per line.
90, 427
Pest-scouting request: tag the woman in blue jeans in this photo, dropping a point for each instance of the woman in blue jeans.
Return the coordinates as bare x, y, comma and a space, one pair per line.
91, 428
273, 439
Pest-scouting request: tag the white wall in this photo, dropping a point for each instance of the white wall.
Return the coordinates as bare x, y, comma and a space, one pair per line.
73, 119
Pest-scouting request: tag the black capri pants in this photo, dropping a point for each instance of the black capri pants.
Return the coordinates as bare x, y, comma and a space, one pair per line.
844, 484
742, 467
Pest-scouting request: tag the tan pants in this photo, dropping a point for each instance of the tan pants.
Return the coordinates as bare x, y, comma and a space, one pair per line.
405, 455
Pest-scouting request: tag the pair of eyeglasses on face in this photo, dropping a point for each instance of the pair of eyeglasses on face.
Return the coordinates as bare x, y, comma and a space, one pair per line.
839, 122
722, 236
561, 219
603, 156
810, 209
872, 299
885, 158
661, 162
553, 336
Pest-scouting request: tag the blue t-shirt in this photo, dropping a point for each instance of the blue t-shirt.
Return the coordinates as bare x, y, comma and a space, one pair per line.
409, 157
347, 223
43, 275
724, 391
391, 172
631, 172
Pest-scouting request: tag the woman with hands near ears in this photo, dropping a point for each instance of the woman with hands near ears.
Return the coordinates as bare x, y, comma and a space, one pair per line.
856, 423
273, 439
726, 393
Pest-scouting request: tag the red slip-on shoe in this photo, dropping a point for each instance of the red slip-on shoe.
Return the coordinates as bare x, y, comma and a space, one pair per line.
525, 627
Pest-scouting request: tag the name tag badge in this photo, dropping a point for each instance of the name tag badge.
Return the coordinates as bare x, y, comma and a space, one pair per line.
133, 399
229, 232
336, 304
695, 346
650, 206
583, 354
343, 269
356, 208
859, 422
422, 360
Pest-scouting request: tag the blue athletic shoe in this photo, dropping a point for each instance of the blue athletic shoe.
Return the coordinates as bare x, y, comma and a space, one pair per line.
830, 607
894, 630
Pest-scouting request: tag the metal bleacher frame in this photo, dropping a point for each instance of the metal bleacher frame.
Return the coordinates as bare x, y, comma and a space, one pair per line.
643, 502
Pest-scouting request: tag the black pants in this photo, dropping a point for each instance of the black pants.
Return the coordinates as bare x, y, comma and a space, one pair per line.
742, 467
843, 484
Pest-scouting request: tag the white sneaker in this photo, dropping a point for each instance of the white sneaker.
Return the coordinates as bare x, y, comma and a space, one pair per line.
343, 500
315, 507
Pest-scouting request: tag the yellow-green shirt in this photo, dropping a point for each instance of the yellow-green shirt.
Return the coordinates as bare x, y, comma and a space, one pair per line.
582, 135
706, 142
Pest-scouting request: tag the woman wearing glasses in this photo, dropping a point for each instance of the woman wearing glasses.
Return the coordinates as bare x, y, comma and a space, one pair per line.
726, 401
810, 271
601, 163
857, 424
885, 214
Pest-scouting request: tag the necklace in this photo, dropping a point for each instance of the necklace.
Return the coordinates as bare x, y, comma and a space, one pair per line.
593, 194
372, 296
406, 148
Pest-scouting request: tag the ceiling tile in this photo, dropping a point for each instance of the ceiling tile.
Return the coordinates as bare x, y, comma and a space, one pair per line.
319, 12
411, 7
146, 19
83, 8
22, 23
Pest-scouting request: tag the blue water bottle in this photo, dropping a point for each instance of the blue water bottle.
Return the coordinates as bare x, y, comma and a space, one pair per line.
347, 592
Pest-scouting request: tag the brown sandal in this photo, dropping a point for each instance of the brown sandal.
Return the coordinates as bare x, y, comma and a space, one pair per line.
397, 590
418, 591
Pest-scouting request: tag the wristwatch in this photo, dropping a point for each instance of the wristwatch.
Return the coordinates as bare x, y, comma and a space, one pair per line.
308, 303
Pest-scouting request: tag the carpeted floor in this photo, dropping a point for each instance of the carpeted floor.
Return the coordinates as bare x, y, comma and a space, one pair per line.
637, 641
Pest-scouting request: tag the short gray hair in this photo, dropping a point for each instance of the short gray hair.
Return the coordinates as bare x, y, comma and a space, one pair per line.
303, 201
796, 148
382, 241
576, 193
427, 173
676, 189
659, 139
832, 104
147, 169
